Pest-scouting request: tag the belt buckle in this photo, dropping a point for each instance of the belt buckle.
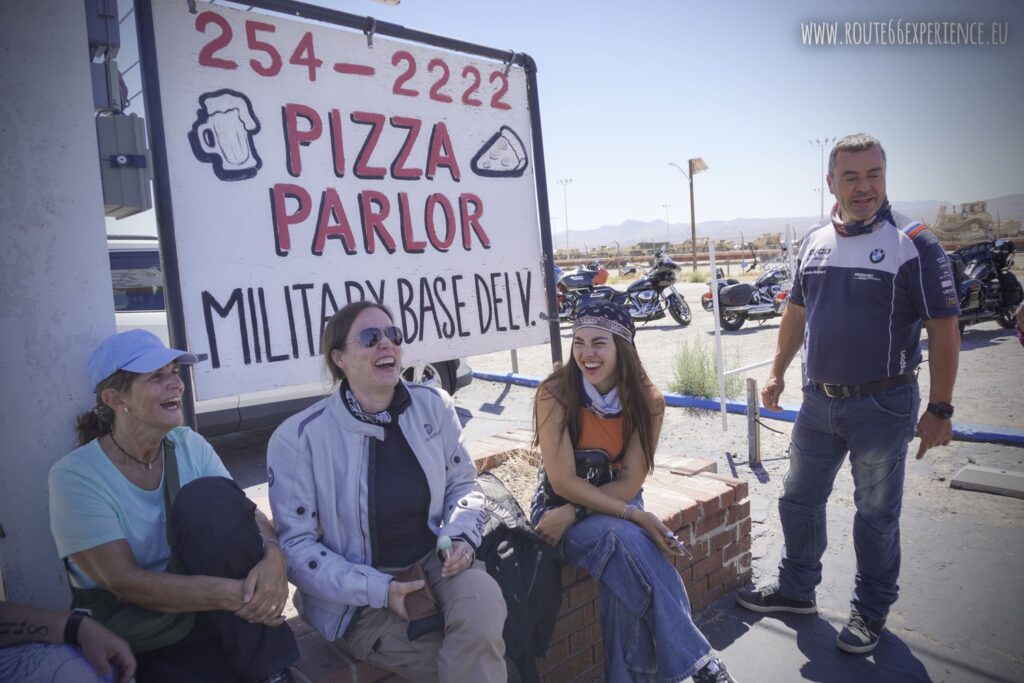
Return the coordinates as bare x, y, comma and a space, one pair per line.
837, 390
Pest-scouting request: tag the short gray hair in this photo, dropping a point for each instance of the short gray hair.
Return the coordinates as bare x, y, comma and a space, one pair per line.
858, 142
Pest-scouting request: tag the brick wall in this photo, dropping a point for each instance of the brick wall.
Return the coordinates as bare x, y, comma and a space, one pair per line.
709, 512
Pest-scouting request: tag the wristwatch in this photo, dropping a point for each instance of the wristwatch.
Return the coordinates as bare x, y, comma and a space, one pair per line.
941, 410
74, 623
581, 513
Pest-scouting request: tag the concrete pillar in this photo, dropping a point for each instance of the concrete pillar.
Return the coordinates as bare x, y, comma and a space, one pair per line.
55, 297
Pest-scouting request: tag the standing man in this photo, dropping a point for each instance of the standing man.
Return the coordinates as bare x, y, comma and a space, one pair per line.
866, 281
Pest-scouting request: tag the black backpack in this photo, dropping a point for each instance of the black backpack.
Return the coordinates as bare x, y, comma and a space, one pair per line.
529, 574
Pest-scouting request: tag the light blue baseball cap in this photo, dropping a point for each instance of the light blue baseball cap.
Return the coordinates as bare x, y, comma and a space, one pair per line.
136, 351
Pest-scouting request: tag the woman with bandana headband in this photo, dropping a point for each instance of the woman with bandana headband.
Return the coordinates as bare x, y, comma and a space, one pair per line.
597, 422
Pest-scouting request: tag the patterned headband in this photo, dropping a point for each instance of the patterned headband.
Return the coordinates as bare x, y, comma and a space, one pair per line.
606, 316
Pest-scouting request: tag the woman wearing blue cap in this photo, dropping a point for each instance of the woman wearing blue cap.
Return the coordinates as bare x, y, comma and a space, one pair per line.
160, 545
597, 422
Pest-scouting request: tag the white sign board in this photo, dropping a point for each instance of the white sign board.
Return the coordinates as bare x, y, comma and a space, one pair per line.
308, 169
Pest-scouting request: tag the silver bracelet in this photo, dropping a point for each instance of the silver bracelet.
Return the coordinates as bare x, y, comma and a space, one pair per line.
266, 540
627, 511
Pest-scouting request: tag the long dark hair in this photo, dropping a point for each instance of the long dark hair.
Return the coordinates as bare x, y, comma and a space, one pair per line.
99, 419
634, 390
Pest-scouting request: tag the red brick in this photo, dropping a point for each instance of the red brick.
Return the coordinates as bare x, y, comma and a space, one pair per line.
685, 568
697, 587
688, 467
727, 492
708, 503
730, 551
594, 674
574, 621
739, 511
582, 593
745, 527
585, 637
713, 522
572, 667
744, 543
740, 486
557, 653
666, 505
709, 564
720, 539
699, 550
722, 576
706, 599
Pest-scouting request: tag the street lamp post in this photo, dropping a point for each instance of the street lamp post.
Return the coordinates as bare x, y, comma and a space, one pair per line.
668, 237
564, 182
695, 165
822, 143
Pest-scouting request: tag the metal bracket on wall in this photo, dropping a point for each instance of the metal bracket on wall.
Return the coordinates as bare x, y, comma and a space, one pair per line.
370, 31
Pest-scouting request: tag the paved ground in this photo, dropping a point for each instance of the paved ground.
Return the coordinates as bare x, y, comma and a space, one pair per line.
960, 616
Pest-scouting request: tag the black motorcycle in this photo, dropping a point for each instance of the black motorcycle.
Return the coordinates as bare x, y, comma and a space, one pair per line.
741, 301
575, 286
652, 295
986, 288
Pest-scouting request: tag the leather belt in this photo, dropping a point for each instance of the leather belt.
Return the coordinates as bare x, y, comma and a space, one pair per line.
858, 390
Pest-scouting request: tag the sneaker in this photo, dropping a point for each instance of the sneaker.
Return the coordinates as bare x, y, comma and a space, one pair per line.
714, 672
860, 635
769, 599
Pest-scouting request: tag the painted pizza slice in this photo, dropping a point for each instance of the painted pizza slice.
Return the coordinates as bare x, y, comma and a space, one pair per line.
502, 156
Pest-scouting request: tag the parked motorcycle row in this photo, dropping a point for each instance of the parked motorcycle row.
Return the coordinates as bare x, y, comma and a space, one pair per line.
986, 287
648, 298
741, 301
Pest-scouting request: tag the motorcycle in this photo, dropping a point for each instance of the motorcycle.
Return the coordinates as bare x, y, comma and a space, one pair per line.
575, 286
652, 295
741, 301
986, 288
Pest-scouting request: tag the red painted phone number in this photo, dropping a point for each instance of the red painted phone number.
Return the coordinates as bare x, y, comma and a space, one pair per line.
304, 55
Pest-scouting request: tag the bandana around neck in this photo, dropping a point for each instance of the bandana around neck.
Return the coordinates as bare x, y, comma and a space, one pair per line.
381, 418
855, 228
606, 405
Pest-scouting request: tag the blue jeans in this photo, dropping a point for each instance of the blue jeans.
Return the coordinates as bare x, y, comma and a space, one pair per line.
645, 615
875, 430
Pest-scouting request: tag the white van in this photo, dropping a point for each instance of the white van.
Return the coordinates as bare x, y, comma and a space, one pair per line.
139, 302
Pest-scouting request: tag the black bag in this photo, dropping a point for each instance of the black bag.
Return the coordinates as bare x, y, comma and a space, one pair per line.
144, 629
593, 466
528, 572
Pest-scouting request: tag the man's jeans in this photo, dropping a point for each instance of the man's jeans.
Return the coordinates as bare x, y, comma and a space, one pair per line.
875, 430
646, 626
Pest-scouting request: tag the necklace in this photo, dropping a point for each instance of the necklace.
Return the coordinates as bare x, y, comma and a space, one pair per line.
148, 465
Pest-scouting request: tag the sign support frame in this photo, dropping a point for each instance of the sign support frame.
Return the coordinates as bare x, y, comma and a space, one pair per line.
369, 26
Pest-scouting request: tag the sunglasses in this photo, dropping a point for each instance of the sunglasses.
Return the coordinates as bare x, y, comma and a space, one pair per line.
371, 336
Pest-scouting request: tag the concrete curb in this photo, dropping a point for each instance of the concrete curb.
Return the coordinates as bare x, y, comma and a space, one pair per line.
1007, 436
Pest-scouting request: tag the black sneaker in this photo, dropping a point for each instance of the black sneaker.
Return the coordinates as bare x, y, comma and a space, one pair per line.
769, 599
714, 672
860, 635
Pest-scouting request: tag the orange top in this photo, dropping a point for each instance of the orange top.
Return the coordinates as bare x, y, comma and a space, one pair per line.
604, 433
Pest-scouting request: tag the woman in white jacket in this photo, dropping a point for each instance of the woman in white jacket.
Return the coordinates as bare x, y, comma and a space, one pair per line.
363, 485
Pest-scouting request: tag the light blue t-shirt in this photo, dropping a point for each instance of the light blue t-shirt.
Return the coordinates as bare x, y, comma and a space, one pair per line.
92, 503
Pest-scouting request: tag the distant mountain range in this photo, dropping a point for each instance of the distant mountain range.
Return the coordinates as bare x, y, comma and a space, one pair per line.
1009, 207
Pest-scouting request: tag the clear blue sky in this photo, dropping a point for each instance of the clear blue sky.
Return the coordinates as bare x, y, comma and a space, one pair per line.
626, 87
